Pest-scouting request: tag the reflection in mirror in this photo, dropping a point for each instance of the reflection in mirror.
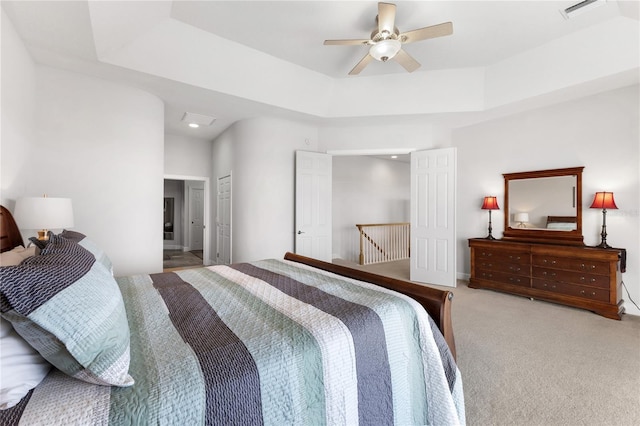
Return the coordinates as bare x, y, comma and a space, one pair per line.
544, 206
538, 199
168, 218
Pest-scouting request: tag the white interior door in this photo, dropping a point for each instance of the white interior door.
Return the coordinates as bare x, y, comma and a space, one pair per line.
313, 205
196, 218
223, 221
433, 213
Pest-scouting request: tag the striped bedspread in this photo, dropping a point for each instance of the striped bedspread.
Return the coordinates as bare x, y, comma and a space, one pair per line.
270, 342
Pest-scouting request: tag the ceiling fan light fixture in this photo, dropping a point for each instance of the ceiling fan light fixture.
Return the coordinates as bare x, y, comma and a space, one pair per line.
385, 49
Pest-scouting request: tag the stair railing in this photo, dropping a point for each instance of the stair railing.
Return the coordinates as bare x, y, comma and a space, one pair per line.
384, 242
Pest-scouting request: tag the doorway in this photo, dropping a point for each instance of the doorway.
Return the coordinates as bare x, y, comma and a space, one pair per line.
188, 243
430, 206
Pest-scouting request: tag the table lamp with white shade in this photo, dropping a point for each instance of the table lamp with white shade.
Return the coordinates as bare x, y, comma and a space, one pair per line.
522, 219
43, 213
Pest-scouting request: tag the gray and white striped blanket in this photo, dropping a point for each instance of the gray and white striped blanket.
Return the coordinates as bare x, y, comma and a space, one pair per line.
269, 342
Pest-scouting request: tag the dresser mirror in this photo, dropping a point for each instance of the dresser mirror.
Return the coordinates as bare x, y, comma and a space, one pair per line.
544, 206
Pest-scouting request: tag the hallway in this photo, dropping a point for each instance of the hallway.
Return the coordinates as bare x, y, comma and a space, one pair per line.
178, 259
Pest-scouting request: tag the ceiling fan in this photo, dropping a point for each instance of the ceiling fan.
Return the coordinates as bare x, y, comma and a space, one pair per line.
386, 41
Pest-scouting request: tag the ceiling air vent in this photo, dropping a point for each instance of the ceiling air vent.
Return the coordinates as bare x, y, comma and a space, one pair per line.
197, 120
582, 7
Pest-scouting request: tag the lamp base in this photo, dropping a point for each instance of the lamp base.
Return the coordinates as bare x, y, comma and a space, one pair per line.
43, 235
603, 245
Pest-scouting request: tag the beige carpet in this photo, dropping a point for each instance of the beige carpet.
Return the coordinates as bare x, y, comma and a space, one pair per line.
527, 362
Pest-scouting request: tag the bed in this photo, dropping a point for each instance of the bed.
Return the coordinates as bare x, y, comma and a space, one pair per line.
562, 223
277, 341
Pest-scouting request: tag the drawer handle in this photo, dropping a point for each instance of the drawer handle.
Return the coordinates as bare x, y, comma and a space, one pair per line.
514, 268
546, 285
514, 257
514, 279
553, 262
553, 274
593, 293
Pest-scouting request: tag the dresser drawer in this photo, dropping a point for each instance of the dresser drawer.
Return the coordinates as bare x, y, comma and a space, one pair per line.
591, 293
581, 278
571, 264
503, 277
512, 268
499, 256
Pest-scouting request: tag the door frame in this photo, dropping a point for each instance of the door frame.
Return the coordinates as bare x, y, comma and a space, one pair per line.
206, 260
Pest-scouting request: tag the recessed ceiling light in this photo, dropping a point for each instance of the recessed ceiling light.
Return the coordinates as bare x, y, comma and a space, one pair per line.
194, 125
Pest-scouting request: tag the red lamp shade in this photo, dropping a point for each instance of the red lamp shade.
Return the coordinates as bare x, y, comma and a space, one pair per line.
603, 200
490, 203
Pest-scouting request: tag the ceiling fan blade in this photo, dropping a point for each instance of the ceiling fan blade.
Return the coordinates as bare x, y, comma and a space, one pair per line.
347, 42
360, 65
406, 60
386, 17
433, 31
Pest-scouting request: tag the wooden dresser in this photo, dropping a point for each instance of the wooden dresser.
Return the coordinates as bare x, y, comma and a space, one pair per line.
578, 276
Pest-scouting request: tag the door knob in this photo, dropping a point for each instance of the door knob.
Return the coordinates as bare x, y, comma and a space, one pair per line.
300, 232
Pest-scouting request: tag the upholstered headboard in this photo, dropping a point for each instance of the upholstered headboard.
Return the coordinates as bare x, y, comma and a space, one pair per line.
9, 233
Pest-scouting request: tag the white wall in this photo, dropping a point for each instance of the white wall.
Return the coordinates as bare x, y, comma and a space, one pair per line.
599, 132
18, 115
102, 145
260, 155
187, 156
412, 133
366, 190
96, 142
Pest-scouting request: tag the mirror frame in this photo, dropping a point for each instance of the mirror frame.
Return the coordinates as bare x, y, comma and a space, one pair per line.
573, 237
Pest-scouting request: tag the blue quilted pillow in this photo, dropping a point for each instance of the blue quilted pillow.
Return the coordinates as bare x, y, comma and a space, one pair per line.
85, 242
69, 308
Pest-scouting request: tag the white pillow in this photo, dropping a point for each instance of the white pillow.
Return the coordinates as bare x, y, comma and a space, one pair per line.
21, 367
